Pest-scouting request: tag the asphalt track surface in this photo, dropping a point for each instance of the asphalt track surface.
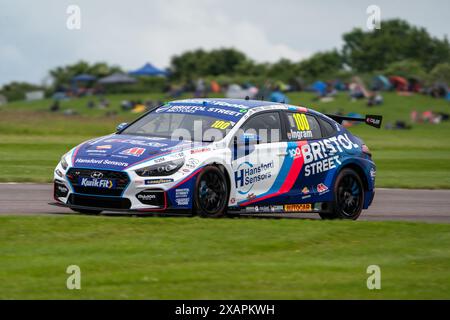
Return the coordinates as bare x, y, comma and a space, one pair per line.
389, 204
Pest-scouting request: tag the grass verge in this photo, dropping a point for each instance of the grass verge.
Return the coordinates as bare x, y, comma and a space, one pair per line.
193, 258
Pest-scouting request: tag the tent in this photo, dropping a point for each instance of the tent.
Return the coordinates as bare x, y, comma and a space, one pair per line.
279, 97
320, 87
83, 78
380, 82
399, 83
148, 70
117, 78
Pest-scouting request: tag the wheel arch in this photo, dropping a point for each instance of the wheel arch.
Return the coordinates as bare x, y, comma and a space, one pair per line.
359, 171
225, 172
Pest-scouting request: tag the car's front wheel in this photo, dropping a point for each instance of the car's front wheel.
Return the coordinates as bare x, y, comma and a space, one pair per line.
348, 196
211, 193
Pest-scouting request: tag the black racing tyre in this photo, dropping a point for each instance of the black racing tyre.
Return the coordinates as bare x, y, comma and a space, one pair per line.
211, 193
85, 211
348, 196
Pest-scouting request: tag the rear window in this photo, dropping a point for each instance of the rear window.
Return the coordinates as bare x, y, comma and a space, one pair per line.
327, 128
302, 126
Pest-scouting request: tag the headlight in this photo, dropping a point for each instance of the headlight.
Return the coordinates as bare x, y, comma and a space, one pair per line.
161, 169
64, 163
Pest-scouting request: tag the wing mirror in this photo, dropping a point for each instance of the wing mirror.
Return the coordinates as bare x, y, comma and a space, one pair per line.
121, 126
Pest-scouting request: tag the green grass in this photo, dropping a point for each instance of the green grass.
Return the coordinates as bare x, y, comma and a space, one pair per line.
32, 140
193, 258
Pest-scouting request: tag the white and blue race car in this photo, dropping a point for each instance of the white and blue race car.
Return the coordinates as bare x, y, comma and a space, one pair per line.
214, 157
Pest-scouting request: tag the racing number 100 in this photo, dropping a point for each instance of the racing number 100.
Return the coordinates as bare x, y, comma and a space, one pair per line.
219, 124
301, 121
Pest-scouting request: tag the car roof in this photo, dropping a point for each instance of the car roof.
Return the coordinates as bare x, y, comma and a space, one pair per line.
238, 103
241, 104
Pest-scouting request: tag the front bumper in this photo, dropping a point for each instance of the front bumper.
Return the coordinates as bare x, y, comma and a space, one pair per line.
128, 192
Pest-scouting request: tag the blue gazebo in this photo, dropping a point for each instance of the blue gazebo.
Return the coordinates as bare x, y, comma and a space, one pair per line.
148, 70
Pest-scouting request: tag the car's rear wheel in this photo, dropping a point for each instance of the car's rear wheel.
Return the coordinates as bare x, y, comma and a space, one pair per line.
84, 211
211, 193
348, 196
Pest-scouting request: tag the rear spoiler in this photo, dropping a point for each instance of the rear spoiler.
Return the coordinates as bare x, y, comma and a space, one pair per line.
370, 119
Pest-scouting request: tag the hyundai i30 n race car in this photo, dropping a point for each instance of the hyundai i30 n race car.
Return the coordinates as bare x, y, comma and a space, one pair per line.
214, 157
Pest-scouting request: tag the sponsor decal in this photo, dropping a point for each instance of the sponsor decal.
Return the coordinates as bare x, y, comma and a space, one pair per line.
226, 112
373, 173
200, 150
301, 207
183, 109
104, 147
135, 152
264, 209
299, 135
248, 174
138, 142
96, 183
62, 189
218, 103
321, 188
251, 196
150, 197
159, 160
305, 190
182, 202
321, 156
182, 196
146, 196
233, 200
158, 181
192, 163
96, 151
101, 161
181, 193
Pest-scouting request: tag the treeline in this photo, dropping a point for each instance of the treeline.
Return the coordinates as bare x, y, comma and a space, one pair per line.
398, 48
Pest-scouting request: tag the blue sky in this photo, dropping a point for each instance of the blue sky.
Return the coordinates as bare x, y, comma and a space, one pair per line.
34, 36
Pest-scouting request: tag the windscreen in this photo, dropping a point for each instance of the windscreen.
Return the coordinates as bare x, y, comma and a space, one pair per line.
186, 122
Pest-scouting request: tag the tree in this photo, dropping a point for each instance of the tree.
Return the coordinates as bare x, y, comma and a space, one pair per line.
16, 90
284, 70
321, 65
397, 40
406, 69
199, 63
440, 73
62, 75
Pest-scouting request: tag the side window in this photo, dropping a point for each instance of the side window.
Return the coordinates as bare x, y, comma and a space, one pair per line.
266, 125
327, 128
302, 126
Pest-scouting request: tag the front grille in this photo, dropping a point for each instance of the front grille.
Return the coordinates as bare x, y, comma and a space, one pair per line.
99, 202
119, 181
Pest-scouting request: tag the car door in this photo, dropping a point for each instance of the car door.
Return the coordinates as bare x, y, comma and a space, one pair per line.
258, 155
303, 133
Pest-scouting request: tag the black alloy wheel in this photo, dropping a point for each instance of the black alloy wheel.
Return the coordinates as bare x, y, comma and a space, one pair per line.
348, 195
211, 193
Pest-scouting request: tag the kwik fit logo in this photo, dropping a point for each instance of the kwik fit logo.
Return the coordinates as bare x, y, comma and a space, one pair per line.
96, 183
247, 175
